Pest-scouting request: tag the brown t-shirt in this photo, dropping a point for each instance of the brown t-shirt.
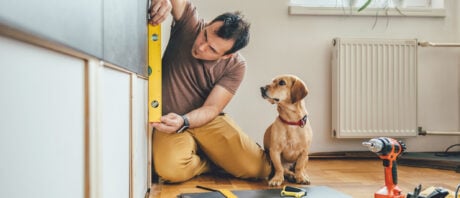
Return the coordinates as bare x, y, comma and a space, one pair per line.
188, 81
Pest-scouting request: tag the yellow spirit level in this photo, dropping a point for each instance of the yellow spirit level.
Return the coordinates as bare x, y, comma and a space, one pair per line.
154, 73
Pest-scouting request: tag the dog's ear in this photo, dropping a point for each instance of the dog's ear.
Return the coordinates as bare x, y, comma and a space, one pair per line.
298, 91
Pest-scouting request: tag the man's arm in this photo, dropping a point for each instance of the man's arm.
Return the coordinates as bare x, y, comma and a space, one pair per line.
214, 104
212, 107
160, 9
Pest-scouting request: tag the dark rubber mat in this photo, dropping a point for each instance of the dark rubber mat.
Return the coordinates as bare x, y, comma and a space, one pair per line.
313, 191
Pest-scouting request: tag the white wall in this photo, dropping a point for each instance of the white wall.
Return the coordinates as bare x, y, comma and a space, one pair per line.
301, 45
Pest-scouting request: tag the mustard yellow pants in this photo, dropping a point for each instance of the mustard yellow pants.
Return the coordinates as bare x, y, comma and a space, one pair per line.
179, 157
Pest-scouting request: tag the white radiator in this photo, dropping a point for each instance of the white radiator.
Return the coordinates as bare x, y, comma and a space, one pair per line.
374, 88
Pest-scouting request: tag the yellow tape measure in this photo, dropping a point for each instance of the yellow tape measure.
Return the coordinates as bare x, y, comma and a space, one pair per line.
154, 72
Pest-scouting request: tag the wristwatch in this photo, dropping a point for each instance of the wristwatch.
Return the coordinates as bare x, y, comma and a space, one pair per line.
185, 126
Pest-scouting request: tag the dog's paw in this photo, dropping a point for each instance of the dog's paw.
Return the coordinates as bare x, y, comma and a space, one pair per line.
290, 176
302, 178
276, 181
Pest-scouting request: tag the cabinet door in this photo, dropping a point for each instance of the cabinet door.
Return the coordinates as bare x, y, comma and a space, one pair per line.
140, 140
125, 34
41, 122
77, 24
115, 133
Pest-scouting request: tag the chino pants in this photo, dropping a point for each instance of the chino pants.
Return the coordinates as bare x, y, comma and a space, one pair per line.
180, 157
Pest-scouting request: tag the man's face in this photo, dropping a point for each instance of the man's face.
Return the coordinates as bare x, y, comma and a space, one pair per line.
209, 46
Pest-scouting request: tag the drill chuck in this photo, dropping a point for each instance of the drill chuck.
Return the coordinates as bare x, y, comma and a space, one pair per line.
385, 146
374, 145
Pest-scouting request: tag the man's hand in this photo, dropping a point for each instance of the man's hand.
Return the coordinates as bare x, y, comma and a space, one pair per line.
170, 123
159, 10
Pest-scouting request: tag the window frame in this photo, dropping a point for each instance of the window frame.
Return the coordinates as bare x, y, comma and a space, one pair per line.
348, 7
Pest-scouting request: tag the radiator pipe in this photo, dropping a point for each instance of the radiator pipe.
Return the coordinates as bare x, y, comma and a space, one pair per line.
430, 44
425, 132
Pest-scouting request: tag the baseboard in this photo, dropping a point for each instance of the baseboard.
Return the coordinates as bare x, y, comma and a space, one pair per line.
344, 155
447, 161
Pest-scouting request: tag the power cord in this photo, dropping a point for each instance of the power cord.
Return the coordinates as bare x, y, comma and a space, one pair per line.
445, 153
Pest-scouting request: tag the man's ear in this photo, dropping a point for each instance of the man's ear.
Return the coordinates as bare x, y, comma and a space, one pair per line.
227, 56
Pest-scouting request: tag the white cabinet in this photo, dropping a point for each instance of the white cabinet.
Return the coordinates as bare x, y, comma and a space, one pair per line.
70, 126
42, 128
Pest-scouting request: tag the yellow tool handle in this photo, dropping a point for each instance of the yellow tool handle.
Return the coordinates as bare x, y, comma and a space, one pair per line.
154, 73
227, 193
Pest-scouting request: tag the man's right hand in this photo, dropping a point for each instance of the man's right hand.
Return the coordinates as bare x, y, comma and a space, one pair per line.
159, 10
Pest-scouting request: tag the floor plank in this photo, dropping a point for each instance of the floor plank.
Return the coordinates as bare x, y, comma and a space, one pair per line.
355, 177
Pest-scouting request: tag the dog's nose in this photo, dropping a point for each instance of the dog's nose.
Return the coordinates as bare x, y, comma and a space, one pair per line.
263, 91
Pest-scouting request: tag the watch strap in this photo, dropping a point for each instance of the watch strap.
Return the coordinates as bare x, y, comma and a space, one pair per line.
184, 126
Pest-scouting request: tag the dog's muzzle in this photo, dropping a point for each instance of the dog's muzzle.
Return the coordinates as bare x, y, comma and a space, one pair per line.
263, 91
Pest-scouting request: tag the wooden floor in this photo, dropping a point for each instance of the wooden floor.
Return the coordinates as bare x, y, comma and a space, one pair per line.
357, 178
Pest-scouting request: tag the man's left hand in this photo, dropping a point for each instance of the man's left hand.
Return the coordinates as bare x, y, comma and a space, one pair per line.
170, 123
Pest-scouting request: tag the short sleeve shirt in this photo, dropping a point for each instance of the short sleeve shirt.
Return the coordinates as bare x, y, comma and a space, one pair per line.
188, 81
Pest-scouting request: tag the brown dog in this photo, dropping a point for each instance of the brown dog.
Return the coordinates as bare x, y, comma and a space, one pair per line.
288, 138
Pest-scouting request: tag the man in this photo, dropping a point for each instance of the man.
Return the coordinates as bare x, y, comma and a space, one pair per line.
202, 70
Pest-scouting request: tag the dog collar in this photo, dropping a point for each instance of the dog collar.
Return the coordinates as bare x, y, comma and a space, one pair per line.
300, 123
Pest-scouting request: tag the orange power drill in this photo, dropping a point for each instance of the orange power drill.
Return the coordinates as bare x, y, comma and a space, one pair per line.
388, 149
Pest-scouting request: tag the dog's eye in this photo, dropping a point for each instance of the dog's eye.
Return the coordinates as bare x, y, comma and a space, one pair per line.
282, 82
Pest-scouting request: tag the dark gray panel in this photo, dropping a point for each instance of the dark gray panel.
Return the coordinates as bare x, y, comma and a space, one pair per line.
75, 23
125, 34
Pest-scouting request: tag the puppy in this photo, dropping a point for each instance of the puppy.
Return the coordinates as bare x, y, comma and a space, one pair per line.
288, 138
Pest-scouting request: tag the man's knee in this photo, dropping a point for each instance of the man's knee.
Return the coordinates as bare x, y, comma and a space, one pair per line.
172, 156
172, 171
173, 176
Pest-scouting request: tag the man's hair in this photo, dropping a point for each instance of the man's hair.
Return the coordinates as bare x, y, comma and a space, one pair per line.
234, 27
